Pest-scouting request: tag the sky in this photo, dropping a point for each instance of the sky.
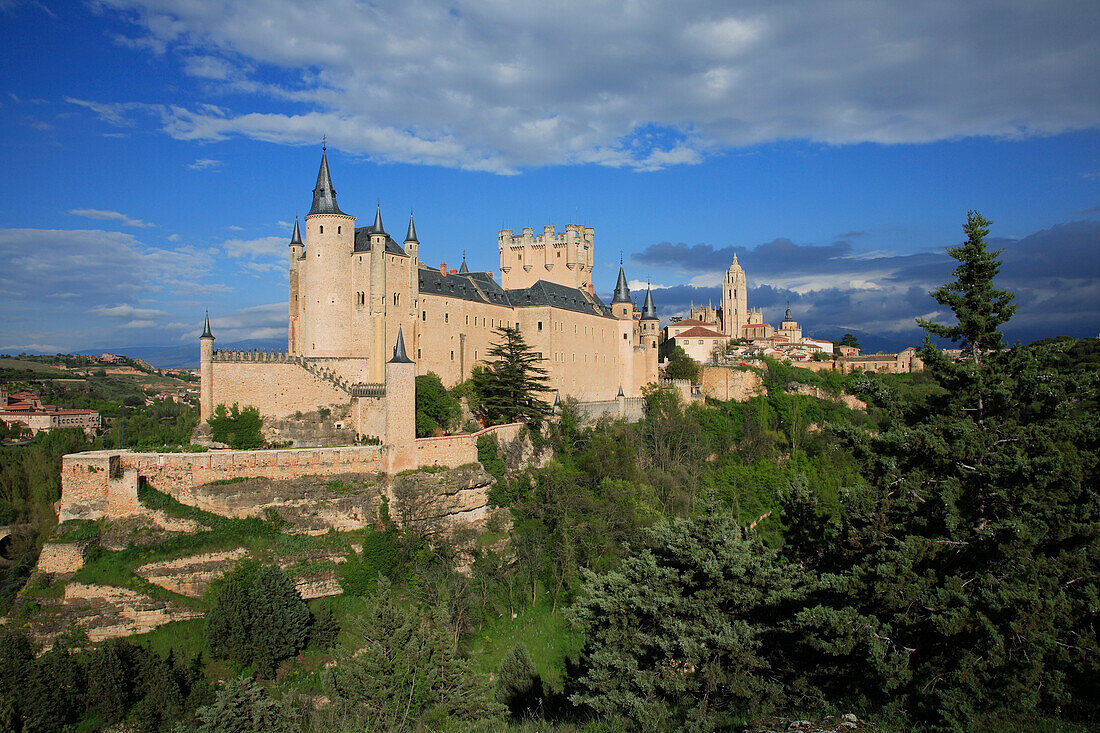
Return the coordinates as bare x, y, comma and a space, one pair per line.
156, 152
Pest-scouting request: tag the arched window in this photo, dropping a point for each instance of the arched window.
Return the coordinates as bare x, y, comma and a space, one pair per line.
321, 229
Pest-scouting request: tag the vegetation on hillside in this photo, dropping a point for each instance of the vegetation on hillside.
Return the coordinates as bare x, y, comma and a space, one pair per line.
929, 564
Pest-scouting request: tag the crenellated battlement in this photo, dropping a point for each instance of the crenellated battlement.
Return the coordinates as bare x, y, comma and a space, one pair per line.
564, 257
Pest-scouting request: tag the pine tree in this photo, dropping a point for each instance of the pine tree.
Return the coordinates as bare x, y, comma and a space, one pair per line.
111, 680
508, 387
229, 621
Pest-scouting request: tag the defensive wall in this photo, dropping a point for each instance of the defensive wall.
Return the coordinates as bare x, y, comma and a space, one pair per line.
104, 483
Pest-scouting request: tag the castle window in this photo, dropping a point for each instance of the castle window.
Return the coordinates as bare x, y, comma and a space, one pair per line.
624, 336
424, 315
447, 318
452, 355
467, 320
339, 230
418, 353
320, 230
540, 325
397, 298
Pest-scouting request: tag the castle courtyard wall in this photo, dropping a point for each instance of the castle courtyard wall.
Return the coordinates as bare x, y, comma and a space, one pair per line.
277, 389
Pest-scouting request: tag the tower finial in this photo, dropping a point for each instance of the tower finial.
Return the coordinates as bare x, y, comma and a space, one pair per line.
324, 143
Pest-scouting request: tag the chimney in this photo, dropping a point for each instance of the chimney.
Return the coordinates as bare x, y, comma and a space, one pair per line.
443, 269
452, 271
490, 274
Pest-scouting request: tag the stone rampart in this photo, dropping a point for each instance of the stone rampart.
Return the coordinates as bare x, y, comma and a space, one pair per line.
630, 409
104, 483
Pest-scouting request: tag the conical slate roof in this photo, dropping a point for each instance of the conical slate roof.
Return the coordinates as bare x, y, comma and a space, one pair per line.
324, 195
622, 290
399, 355
463, 269
378, 221
296, 238
206, 328
649, 310
411, 236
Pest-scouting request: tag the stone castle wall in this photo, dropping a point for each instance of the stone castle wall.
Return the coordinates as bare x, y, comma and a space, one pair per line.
279, 390
104, 483
723, 383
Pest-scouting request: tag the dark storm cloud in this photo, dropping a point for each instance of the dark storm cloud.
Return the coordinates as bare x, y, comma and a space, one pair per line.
1054, 274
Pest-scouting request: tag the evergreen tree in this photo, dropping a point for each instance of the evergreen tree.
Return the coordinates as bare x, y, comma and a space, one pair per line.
280, 619
407, 673
240, 428
111, 680
962, 582
689, 631
508, 387
682, 366
519, 687
55, 696
242, 706
229, 621
325, 630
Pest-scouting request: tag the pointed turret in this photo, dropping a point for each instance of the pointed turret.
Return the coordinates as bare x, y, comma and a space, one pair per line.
463, 269
649, 310
411, 236
620, 391
622, 290
206, 328
324, 195
377, 228
296, 237
399, 355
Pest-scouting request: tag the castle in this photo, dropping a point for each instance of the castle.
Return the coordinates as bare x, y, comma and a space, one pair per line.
354, 291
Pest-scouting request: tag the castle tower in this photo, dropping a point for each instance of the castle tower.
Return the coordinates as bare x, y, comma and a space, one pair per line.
206, 372
650, 325
325, 309
377, 296
735, 299
400, 399
790, 328
621, 305
622, 308
412, 246
297, 253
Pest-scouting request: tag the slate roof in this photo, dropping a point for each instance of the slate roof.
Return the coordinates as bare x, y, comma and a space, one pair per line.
362, 241
479, 287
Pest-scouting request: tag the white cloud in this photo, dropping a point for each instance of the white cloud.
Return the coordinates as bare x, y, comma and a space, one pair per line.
204, 163
269, 248
493, 86
104, 215
139, 324
125, 311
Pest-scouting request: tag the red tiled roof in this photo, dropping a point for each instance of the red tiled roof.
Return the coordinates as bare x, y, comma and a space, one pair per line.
700, 332
690, 322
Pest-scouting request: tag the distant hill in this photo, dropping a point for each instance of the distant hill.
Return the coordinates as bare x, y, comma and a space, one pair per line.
187, 356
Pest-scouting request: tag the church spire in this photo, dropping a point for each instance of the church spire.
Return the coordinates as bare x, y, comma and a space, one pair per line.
324, 195
622, 290
411, 236
296, 237
649, 310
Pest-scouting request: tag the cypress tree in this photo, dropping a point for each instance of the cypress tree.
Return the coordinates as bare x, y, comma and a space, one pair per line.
280, 619
519, 687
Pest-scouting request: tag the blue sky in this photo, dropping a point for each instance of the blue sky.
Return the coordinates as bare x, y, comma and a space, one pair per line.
156, 152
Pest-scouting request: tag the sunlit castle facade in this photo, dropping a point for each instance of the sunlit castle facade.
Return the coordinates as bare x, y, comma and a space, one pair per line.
352, 289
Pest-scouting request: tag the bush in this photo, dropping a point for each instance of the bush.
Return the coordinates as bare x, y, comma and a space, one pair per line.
238, 428
437, 410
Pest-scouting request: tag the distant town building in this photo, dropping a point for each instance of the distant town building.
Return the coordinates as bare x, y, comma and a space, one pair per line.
27, 410
112, 359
